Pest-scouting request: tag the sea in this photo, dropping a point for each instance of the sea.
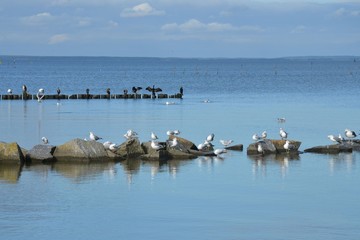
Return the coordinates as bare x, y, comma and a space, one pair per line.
234, 196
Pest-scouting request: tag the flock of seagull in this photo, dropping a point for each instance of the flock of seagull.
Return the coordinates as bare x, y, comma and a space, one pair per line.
207, 144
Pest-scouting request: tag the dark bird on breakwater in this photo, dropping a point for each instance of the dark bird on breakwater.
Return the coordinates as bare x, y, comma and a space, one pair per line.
58, 91
108, 91
136, 89
153, 90
24, 88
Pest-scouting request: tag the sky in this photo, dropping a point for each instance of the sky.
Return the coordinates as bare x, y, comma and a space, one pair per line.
180, 28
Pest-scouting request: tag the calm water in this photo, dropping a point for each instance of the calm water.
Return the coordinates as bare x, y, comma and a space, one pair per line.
238, 197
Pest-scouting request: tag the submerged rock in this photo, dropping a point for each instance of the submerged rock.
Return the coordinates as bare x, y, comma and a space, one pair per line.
41, 153
81, 150
237, 147
11, 152
331, 149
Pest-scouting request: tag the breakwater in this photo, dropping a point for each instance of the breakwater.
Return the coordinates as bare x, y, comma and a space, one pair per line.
87, 96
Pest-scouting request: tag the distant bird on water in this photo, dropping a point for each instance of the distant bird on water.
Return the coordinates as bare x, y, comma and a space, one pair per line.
93, 137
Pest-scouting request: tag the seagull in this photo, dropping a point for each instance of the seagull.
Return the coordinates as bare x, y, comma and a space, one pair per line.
218, 152
58, 91
288, 146
341, 138
107, 144
24, 88
93, 137
206, 101
113, 147
260, 149
173, 143
156, 146
153, 136
226, 142
334, 139
255, 137
45, 140
201, 146
283, 134
170, 133
170, 103
130, 134
210, 138
176, 132
349, 133
264, 135
108, 91
281, 120
9, 91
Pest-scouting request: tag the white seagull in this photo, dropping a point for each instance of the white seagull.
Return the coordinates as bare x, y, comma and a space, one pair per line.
113, 147
218, 152
130, 134
93, 137
156, 146
283, 134
255, 137
288, 146
349, 133
260, 149
226, 143
173, 143
210, 138
176, 132
45, 140
9, 91
169, 133
107, 144
334, 138
264, 135
153, 136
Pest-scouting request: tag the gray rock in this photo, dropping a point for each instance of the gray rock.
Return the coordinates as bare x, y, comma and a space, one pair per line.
81, 150
180, 152
267, 145
331, 149
184, 142
11, 152
41, 153
237, 147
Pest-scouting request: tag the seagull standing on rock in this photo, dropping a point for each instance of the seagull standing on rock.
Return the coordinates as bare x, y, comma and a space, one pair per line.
218, 152
288, 146
226, 143
107, 144
255, 137
210, 138
283, 134
156, 146
93, 137
45, 140
130, 134
264, 135
335, 139
153, 136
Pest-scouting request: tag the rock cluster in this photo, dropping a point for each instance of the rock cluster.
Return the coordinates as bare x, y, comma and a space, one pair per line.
272, 146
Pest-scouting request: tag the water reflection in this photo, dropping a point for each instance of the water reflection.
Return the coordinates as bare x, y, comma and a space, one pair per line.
10, 172
340, 161
80, 172
261, 162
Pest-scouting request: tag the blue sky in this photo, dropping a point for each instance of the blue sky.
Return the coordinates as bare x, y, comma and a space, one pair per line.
180, 28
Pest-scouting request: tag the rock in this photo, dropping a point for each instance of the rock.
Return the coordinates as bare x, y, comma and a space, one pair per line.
331, 149
279, 145
271, 146
179, 152
130, 149
184, 142
41, 153
237, 147
81, 150
267, 145
11, 152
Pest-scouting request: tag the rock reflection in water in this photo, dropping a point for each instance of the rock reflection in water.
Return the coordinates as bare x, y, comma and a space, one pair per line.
85, 171
10, 172
282, 160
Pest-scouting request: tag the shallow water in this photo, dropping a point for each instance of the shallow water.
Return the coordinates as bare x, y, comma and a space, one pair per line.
309, 196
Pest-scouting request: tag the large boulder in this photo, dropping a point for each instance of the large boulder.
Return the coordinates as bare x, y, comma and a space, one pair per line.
41, 153
11, 152
184, 142
179, 152
279, 145
81, 150
331, 149
130, 149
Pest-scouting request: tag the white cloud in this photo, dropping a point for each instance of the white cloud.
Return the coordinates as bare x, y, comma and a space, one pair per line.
195, 25
84, 22
38, 19
112, 24
58, 38
141, 10
344, 12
